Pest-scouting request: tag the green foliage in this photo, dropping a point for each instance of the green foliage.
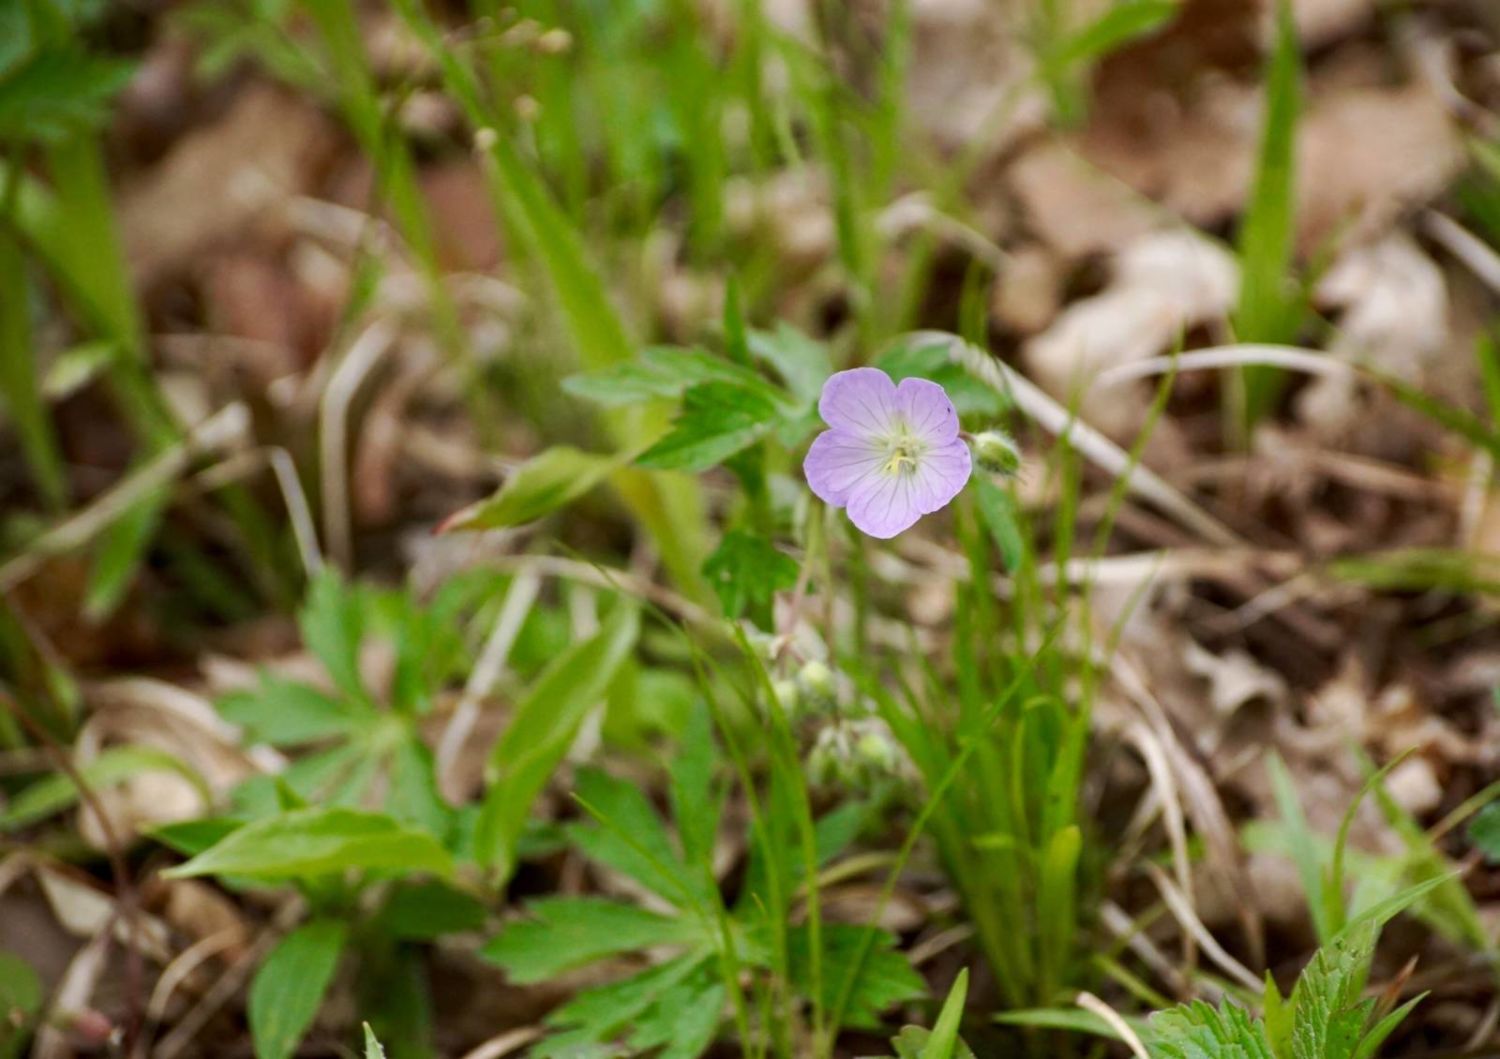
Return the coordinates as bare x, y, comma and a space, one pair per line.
746, 569
50, 88
1272, 305
544, 483
718, 420
305, 843
542, 728
20, 1001
289, 985
1484, 832
681, 1000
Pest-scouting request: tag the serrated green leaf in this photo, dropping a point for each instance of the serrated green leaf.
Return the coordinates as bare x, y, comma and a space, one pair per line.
317, 841
58, 92
541, 485
1329, 1015
58, 792
562, 933
630, 837
607, 1012
1198, 1031
718, 420
541, 730
885, 976
746, 569
289, 986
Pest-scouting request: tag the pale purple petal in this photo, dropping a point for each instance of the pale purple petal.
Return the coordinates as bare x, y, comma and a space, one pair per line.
862, 400
941, 474
885, 506
839, 462
927, 411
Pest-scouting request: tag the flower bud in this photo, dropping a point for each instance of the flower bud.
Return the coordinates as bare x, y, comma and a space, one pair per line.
815, 680
997, 452
787, 693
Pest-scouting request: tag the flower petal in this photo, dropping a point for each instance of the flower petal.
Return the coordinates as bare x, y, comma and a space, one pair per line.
862, 400
885, 505
927, 411
941, 473
839, 461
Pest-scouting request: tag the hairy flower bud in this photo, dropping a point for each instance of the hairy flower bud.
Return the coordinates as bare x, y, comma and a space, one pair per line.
997, 452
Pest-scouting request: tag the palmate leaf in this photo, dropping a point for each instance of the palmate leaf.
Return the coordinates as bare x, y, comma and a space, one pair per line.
746, 569
678, 1003
885, 976
562, 933
58, 92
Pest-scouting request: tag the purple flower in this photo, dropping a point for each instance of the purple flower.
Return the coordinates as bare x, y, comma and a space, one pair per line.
892, 453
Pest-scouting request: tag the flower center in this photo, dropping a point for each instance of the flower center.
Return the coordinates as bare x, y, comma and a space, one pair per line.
903, 450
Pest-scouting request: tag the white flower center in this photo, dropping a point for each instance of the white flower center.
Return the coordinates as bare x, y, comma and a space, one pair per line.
903, 451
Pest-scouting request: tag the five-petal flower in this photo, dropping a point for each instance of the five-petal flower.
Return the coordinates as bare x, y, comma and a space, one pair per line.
891, 454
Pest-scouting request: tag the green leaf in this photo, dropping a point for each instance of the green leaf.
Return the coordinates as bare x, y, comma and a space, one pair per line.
426, 910
718, 420
998, 510
1329, 1015
1122, 23
1271, 304
306, 843
944, 1043
121, 552
695, 804
926, 356
20, 1000
20, 389
58, 792
802, 362
289, 986
563, 933
541, 485
283, 712
746, 569
1073, 1020
542, 728
608, 1012
659, 372
58, 92
885, 976
1198, 1031
1484, 832
332, 623
373, 1050
631, 838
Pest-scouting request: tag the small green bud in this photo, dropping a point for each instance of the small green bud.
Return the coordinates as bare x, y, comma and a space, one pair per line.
875, 751
816, 679
997, 452
787, 693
